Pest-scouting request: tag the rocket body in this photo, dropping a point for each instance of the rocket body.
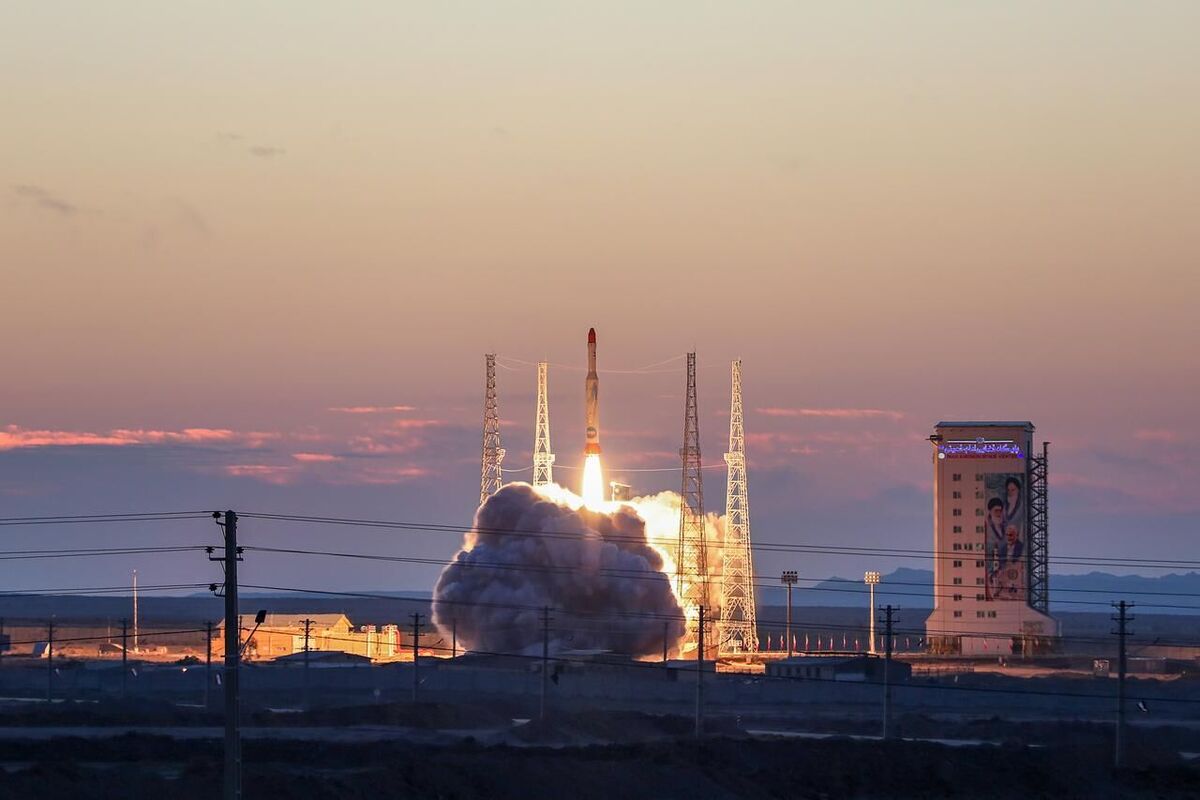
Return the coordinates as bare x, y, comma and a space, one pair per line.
591, 397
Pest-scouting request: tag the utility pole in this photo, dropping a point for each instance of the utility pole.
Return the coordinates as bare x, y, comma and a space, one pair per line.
453, 639
666, 637
416, 634
135, 613
1122, 619
307, 632
789, 579
124, 658
545, 658
700, 674
233, 647
887, 673
208, 666
50, 662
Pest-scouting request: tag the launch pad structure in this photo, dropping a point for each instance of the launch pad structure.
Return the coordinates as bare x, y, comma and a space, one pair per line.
739, 618
543, 456
736, 624
491, 472
691, 563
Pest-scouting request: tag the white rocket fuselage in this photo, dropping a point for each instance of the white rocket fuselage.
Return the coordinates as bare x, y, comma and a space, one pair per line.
591, 396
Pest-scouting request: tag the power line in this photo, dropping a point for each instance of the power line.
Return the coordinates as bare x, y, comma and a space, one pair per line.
650, 615
820, 549
654, 575
16, 555
656, 667
159, 516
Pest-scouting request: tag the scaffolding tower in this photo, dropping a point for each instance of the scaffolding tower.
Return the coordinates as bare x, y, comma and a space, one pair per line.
739, 630
491, 474
1039, 530
692, 561
543, 457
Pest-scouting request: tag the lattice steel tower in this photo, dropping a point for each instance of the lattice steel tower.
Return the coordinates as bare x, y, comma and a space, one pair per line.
493, 454
543, 457
1039, 530
692, 560
739, 630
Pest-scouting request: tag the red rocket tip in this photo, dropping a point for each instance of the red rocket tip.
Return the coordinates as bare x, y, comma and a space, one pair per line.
591, 335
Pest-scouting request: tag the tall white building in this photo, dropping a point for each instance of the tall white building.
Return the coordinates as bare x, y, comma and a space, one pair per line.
990, 537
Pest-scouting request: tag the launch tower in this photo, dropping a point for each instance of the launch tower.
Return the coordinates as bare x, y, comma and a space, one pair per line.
692, 560
543, 457
739, 631
493, 454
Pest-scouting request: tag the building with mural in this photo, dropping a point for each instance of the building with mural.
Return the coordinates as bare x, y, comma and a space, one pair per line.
991, 540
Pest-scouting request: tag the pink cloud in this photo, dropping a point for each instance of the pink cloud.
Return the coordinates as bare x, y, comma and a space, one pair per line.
832, 413
372, 409
1157, 435
316, 458
381, 476
406, 424
13, 437
277, 475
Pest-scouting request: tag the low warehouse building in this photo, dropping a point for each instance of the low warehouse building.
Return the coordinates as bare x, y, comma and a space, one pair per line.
862, 668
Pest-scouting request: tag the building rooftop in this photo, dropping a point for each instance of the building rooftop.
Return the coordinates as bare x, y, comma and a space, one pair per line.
1026, 424
288, 621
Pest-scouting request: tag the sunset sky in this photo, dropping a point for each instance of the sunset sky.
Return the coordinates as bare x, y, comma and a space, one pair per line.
253, 255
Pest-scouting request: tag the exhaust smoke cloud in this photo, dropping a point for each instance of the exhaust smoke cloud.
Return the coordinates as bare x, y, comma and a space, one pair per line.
605, 582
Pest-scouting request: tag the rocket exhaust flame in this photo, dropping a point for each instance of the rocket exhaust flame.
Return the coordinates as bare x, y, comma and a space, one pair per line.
593, 483
593, 475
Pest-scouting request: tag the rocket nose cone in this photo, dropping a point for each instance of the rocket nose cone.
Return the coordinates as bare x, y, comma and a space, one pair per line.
591, 335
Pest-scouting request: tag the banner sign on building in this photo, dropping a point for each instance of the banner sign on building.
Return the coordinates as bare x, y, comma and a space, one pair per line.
1005, 533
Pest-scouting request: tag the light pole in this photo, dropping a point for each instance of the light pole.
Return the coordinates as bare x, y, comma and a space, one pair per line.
789, 578
871, 578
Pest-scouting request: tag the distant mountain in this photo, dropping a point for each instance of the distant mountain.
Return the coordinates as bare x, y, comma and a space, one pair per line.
1163, 594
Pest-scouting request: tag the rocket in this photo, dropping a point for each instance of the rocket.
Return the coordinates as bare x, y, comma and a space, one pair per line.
591, 397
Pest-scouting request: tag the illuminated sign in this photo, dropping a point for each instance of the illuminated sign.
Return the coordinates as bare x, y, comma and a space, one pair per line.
980, 448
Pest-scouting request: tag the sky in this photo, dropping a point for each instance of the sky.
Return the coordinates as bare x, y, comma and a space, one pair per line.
253, 256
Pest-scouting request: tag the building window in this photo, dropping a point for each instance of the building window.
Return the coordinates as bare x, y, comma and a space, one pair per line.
957, 613
958, 528
979, 563
979, 581
956, 476
979, 597
957, 512
958, 563
979, 476
992, 614
957, 598
957, 546
957, 495
980, 614
958, 581
979, 529
979, 512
